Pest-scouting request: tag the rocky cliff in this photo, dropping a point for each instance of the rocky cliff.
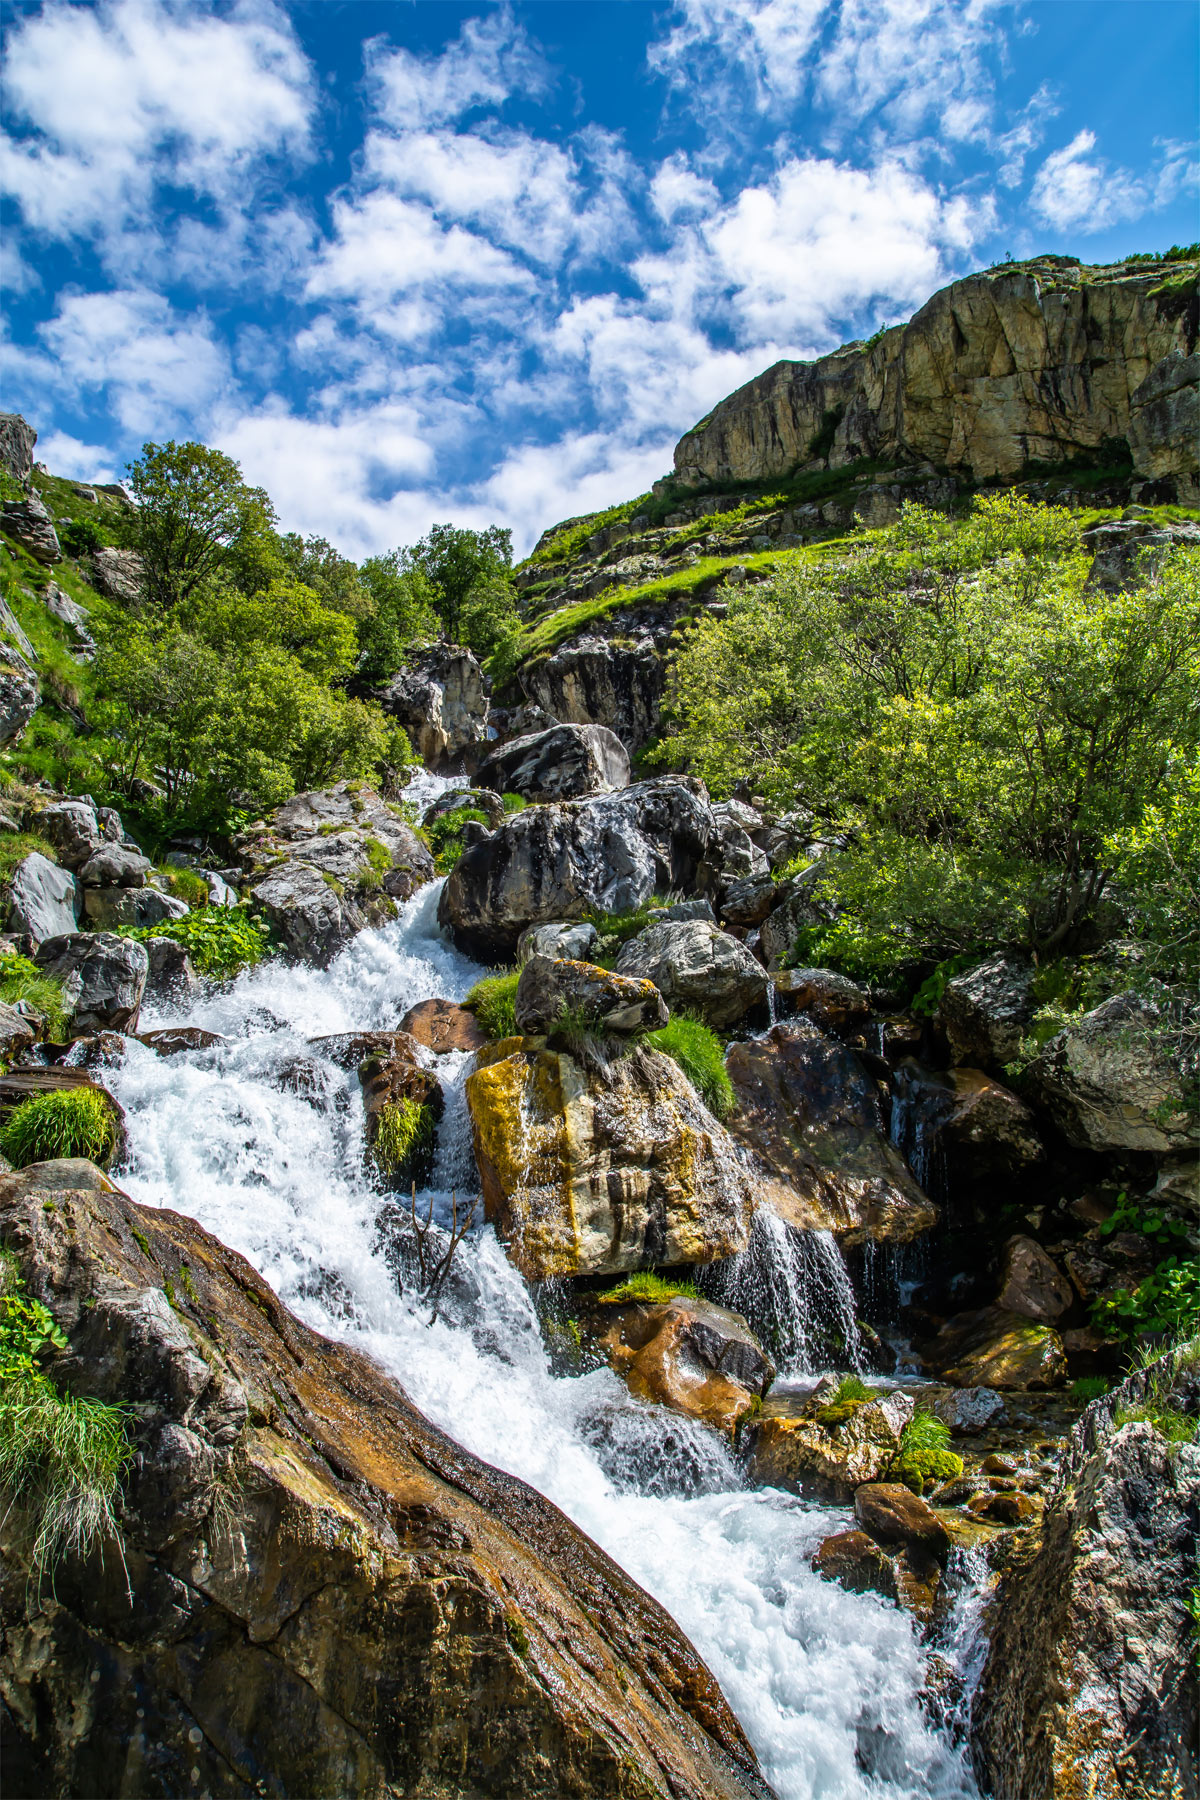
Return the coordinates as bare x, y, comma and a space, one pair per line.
317, 1592
1039, 362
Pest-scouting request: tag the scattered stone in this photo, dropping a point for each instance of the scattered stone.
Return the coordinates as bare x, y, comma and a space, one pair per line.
568, 762
19, 695
74, 829
475, 799
748, 901
967, 1411
697, 967
1010, 1509
169, 1040
442, 1026
115, 865
552, 991
794, 1449
1032, 1284
395, 1080
347, 1049
43, 899
892, 1514
170, 976
857, 1563
18, 1032
103, 978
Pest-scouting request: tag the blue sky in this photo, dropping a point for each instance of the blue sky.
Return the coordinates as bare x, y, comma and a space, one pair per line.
431, 261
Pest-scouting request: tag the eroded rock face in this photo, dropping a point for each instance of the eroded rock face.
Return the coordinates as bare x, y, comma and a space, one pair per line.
1164, 422
17, 438
691, 1355
561, 862
118, 574
593, 681
809, 1113
598, 1169
29, 522
697, 967
1109, 1083
1090, 1682
1037, 362
329, 863
442, 702
794, 1448
328, 1595
44, 900
568, 762
103, 977
555, 991
19, 695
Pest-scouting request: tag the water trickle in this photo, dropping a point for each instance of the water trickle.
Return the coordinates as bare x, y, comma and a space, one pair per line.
917, 1100
792, 1288
814, 1673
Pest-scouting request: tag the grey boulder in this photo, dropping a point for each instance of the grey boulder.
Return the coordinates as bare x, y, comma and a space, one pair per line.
577, 942
568, 762
103, 977
109, 907
986, 1011
593, 681
74, 829
552, 992
442, 702
43, 899
118, 574
115, 865
697, 967
1110, 1082
31, 525
19, 695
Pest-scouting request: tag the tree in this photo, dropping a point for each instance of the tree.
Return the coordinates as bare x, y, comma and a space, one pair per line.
401, 614
459, 564
193, 513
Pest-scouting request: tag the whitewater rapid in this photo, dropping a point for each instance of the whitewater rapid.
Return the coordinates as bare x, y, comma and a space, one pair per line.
825, 1683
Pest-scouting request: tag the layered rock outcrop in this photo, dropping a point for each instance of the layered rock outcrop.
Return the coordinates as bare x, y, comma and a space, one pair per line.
1037, 362
442, 702
317, 1591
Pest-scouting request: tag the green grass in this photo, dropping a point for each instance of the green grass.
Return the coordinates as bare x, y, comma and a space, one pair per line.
924, 1459
493, 1001
1089, 1387
219, 941
404, 1138
185, 884
850, 1393
446, 833
378, 856
645, 1285
61, 1455
513, 803
573, 537
1168, 1421
700, 1054
65, 1122
21, 979
15, 846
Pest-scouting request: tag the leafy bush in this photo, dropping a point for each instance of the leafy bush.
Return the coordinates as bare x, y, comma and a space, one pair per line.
80, 536
699, 1052
65, 1122
1167, 1303
445, 835
220, 941
61, 1456
923, 1459
1163, 1227
493, 1001
645, 1284
21, 979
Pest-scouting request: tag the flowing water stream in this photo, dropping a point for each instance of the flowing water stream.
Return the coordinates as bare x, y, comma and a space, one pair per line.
260, 1140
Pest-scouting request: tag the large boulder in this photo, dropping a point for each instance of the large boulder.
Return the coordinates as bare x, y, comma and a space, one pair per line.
111, 907
115, 865
43, 900
442, 702
605, 855
996, 1348
688, 1354
472, 799
74, 829
18, 1031
894, 1515
568, 762
808, 1111
1090, 1682
1032, 1284
315, 1590
591, 1169
330, 862
977, 1132
118, 574
19, 695
443, 1026
832, 1001
554, 992
800, 1444
31, 525
986, 1011
592, 681
103, 977
697, 968
1110, 1083
576, 942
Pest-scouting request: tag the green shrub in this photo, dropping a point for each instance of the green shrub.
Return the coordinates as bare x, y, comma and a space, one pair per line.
493, 1001
185, 884
644, 1284
923, 1459
220, 940
402, 1147
845, 1400
65, 1122
21, 979
445, 836
699, 1053
378, 855
61, 1456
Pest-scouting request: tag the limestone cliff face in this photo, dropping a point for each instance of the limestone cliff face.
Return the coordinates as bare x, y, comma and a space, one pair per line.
1034, 362
318, 1592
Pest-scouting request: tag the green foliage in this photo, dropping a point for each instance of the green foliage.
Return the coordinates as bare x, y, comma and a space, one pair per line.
80, 536
1169, 1423
194, 514
849, 1394
701, 1056
493, 1001
1166, 1303
445, 835
15, 846
64, 1122
952, 699
402, 614
185, 884
513, 803
21, 979
923, 1459
27, 1328
1163, 1228
404, 1138
1156, 861
616, 929
1090, 1387
469, 575
219, 941
646, 1285
928, 996
572, 536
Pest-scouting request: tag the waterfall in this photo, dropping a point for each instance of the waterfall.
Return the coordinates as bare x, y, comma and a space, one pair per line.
793, 1290
813, 1672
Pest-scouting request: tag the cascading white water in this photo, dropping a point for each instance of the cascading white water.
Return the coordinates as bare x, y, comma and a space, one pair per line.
826, 1683
793, 1288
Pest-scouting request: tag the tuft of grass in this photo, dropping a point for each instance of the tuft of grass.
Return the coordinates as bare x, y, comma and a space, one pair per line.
65, 1122
850, 1393
924, 1459
644, 1284
185, 884
404, 1138
378, 855
513, 803
15, 846
699, 1053
1168, 1421
493, 1001
445, 835
1088, 1388
21, 979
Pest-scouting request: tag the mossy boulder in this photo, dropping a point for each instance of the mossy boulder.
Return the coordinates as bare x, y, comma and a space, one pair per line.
794, 1448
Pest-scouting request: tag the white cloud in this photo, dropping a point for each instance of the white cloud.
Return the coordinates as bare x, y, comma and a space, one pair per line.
491, 59
161, 372
385, 247
539, 484
66, 455
1074, 190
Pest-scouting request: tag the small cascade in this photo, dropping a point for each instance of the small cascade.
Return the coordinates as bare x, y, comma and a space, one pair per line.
793, 1290
918, 1098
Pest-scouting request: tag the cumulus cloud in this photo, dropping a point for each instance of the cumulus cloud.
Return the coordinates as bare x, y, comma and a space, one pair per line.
491, 59
1075, 190
67, 455
159, 371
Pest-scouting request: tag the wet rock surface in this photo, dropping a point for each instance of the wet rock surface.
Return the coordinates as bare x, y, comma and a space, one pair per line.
442, 1026
103, 978
998, 1349
687, 1354
555, 994
795, 1447
339, 1594
697, 968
